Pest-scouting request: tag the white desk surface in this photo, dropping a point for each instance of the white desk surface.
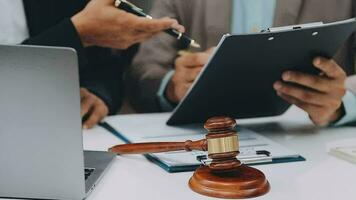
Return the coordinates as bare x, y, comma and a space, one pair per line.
321, 177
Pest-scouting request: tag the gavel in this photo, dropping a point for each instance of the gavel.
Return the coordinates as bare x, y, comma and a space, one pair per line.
221, 142
225, 176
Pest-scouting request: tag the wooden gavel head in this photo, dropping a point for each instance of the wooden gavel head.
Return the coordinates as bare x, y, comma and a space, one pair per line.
226, 177
222, 144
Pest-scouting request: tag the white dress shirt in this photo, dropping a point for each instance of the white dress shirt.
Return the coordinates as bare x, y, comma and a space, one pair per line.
349, 102
13, 24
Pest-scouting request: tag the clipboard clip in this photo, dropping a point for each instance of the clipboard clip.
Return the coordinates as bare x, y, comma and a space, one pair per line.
293, 27
262, 156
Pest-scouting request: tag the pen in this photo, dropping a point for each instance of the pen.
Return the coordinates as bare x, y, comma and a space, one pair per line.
185, 41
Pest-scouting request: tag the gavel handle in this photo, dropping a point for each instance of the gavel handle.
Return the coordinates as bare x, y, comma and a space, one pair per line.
158, 147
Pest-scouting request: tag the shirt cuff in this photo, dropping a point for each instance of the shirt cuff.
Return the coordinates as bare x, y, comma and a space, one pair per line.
166, 106
349, 102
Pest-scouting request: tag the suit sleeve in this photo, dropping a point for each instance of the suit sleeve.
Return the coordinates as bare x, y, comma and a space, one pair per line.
153, 61
63, 34
103, 76
100, 71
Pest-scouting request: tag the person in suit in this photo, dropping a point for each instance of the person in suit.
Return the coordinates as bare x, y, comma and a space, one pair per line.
91, 29
159, 78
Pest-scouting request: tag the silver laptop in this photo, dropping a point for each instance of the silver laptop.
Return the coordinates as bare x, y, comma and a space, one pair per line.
41, 145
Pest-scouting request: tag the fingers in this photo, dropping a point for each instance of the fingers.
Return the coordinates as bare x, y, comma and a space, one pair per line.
318, 114
102, 24
181, 82
318, 83
320, 120
99, 112
302, 94
210, 50
187, 75
192, 60
192, 74
144, 29
329, 67
153, 26
93, 108
106, 2
86, 101
178, 27
182, 90
305, 106
188, 67
319, 95
332, 83
176, 90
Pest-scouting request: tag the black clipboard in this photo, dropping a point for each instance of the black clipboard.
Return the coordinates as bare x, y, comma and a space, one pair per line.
238, 79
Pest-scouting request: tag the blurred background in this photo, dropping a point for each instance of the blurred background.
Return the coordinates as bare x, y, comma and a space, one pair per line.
144, 4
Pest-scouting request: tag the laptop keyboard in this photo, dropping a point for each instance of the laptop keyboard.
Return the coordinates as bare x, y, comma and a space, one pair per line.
88, 172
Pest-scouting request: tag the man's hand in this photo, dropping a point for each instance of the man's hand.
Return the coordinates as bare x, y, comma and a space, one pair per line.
187, 68
102, 24
93, 109
320, 96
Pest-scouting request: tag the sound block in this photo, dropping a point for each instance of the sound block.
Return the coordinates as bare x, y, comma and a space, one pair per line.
242, 182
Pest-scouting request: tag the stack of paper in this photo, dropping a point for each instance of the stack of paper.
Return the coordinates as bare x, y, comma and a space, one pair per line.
344, 149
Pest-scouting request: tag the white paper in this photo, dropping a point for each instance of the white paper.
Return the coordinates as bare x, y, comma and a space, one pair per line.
343, 149
152, 128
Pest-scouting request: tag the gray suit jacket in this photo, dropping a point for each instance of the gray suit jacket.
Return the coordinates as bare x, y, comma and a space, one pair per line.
206, 21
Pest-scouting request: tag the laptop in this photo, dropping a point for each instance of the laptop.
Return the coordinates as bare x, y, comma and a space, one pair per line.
41, 145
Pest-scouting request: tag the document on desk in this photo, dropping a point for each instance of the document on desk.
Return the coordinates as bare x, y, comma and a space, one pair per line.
254, 148
343, 149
